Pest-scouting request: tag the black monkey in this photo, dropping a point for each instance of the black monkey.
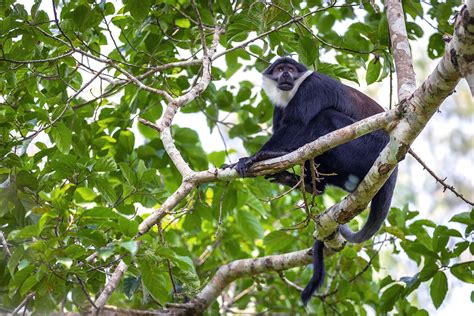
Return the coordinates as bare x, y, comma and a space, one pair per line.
309, 105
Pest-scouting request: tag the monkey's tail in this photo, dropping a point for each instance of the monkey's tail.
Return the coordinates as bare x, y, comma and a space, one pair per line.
318, 272
378, 212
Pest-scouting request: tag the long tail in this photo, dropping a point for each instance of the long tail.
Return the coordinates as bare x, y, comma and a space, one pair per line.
378, 212
318, 272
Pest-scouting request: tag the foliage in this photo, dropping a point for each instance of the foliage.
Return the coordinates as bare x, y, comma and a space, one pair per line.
77, 176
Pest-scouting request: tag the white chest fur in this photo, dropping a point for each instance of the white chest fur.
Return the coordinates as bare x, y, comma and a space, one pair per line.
279, 97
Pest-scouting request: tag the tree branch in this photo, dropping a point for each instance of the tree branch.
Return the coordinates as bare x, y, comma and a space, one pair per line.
243, 268
401, 49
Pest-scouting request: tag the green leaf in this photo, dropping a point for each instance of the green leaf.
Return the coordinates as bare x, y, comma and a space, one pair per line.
277, 241
14, 259
130, 285
464, 272
463, 218
184, 23
226, 7
126, 140
128, 227
373, 71
337, 71
131, 246
62, 137
138, 8
155, 281
309, 50
428, 270
217, 158
249, 225
86, 193
28, 284
105, 164
390, 296
128, 173
438, 288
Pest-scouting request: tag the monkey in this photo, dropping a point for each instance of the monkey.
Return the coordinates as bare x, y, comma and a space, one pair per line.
308, 105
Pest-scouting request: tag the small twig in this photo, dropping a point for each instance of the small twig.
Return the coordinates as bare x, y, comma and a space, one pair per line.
4, 243
284, 193
314, 178
168, 262
23, 303
241, 294
140, 84
56, 21
36, 61
438, 179
221, 202
112, 37
201, 28
83, 288
303, 191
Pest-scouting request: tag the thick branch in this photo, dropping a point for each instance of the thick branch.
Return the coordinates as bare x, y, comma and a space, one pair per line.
308, 151
400, 49
463, 58
245, 268
111, 285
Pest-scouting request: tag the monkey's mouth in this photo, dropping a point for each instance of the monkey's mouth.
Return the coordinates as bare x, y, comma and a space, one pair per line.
285, 86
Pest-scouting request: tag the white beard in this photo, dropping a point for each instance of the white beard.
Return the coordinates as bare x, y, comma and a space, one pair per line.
279, 97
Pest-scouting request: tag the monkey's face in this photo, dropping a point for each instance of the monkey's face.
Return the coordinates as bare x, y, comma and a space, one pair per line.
285, 75
284, 72
281, 80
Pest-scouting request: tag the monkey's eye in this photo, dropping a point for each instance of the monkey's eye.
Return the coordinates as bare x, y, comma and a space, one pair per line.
280, 69
291, 70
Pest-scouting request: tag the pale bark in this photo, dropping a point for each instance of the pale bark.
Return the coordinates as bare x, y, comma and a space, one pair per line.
244, 268
400, 49
111, 285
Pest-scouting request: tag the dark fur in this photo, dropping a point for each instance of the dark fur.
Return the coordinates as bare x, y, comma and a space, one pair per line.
322, 105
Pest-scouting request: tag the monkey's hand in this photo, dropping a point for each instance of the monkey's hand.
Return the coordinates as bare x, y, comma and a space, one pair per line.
243, 165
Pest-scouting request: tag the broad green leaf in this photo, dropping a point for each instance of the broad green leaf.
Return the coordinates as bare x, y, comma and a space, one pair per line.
156, 281
130, 285
28, 284
277, 241
389, 297
438, 288
463, 218
184, 23
86, 193
62, 137
309, 50
464, 271
337, 71
373, 71
249, 225
428, 270
131, 246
